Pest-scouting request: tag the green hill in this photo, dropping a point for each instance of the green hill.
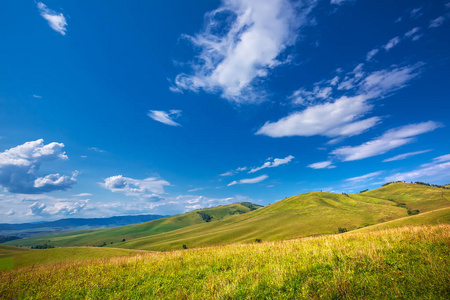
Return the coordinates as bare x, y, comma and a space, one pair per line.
304, 215
116, 235
400, 263
17, 259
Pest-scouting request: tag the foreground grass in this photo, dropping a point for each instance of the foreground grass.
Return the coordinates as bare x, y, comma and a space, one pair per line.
409, 262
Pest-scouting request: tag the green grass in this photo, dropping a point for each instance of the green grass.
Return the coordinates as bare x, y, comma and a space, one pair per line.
7, 251
115, 235
21, 259
439, 216
405, 263
416, 196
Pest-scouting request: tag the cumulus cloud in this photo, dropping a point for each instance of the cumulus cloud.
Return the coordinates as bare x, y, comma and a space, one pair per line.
57, 21
148, 188
391, 139
249, 180
62, 207
242, 41
165, 117
405, 155
364, 177
342, 117
438, 171
340, 2
19, 168
272, 164
322, 165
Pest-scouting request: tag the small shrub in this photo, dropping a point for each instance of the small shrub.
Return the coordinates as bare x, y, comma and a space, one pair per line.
123, 240
184, 246
413, 212
342, 230
258, 240
205, 216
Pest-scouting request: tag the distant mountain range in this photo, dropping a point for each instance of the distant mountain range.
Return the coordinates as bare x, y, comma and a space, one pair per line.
63, 225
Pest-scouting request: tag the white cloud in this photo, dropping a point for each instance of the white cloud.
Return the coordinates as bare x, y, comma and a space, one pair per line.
412, 32
148, 188
416, 13
437, 22
56, 20
272, 164
392, 43
344, 116
391, 139
438, 171
37, 96
340, 2
242, 42
405, 155
329, 119
371, 54
232, 172
322, 165
19, 168
165, 117
364, 177
83, 195
95, 149
249, 180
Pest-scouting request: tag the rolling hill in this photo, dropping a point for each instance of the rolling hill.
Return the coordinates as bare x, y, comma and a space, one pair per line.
116, 235
303, 215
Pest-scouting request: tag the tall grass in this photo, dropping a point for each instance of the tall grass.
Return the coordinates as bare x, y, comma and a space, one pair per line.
410, 262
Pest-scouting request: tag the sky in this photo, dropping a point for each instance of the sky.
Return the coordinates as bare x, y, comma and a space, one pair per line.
163, 107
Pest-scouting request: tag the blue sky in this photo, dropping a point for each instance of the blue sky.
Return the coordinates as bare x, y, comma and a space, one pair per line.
132, 107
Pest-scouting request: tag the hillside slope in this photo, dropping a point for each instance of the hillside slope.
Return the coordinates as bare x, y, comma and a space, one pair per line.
115, 235
405, 263
303, 215
20, 259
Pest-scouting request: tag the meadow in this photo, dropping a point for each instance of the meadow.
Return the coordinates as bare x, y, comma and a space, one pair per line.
399, 263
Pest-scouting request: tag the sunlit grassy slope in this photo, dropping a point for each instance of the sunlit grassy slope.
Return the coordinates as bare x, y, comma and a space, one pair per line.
439, 216
298, 216
405, 263
7, 251
99, 237
18, 259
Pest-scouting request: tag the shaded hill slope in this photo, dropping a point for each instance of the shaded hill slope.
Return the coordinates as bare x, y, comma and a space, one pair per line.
115, 235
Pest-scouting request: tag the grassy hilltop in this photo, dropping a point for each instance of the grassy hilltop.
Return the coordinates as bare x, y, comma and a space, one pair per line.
401, 263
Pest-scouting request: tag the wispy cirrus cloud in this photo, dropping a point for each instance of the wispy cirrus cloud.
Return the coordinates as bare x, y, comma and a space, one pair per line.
405, 155
272, 164
165, 117
391, 139
364, 177
437, 22
249, 180
437, 171
328, 164
57, 21
242, 41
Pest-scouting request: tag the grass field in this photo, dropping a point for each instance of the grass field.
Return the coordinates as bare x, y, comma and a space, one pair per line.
402, 263
16, 259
